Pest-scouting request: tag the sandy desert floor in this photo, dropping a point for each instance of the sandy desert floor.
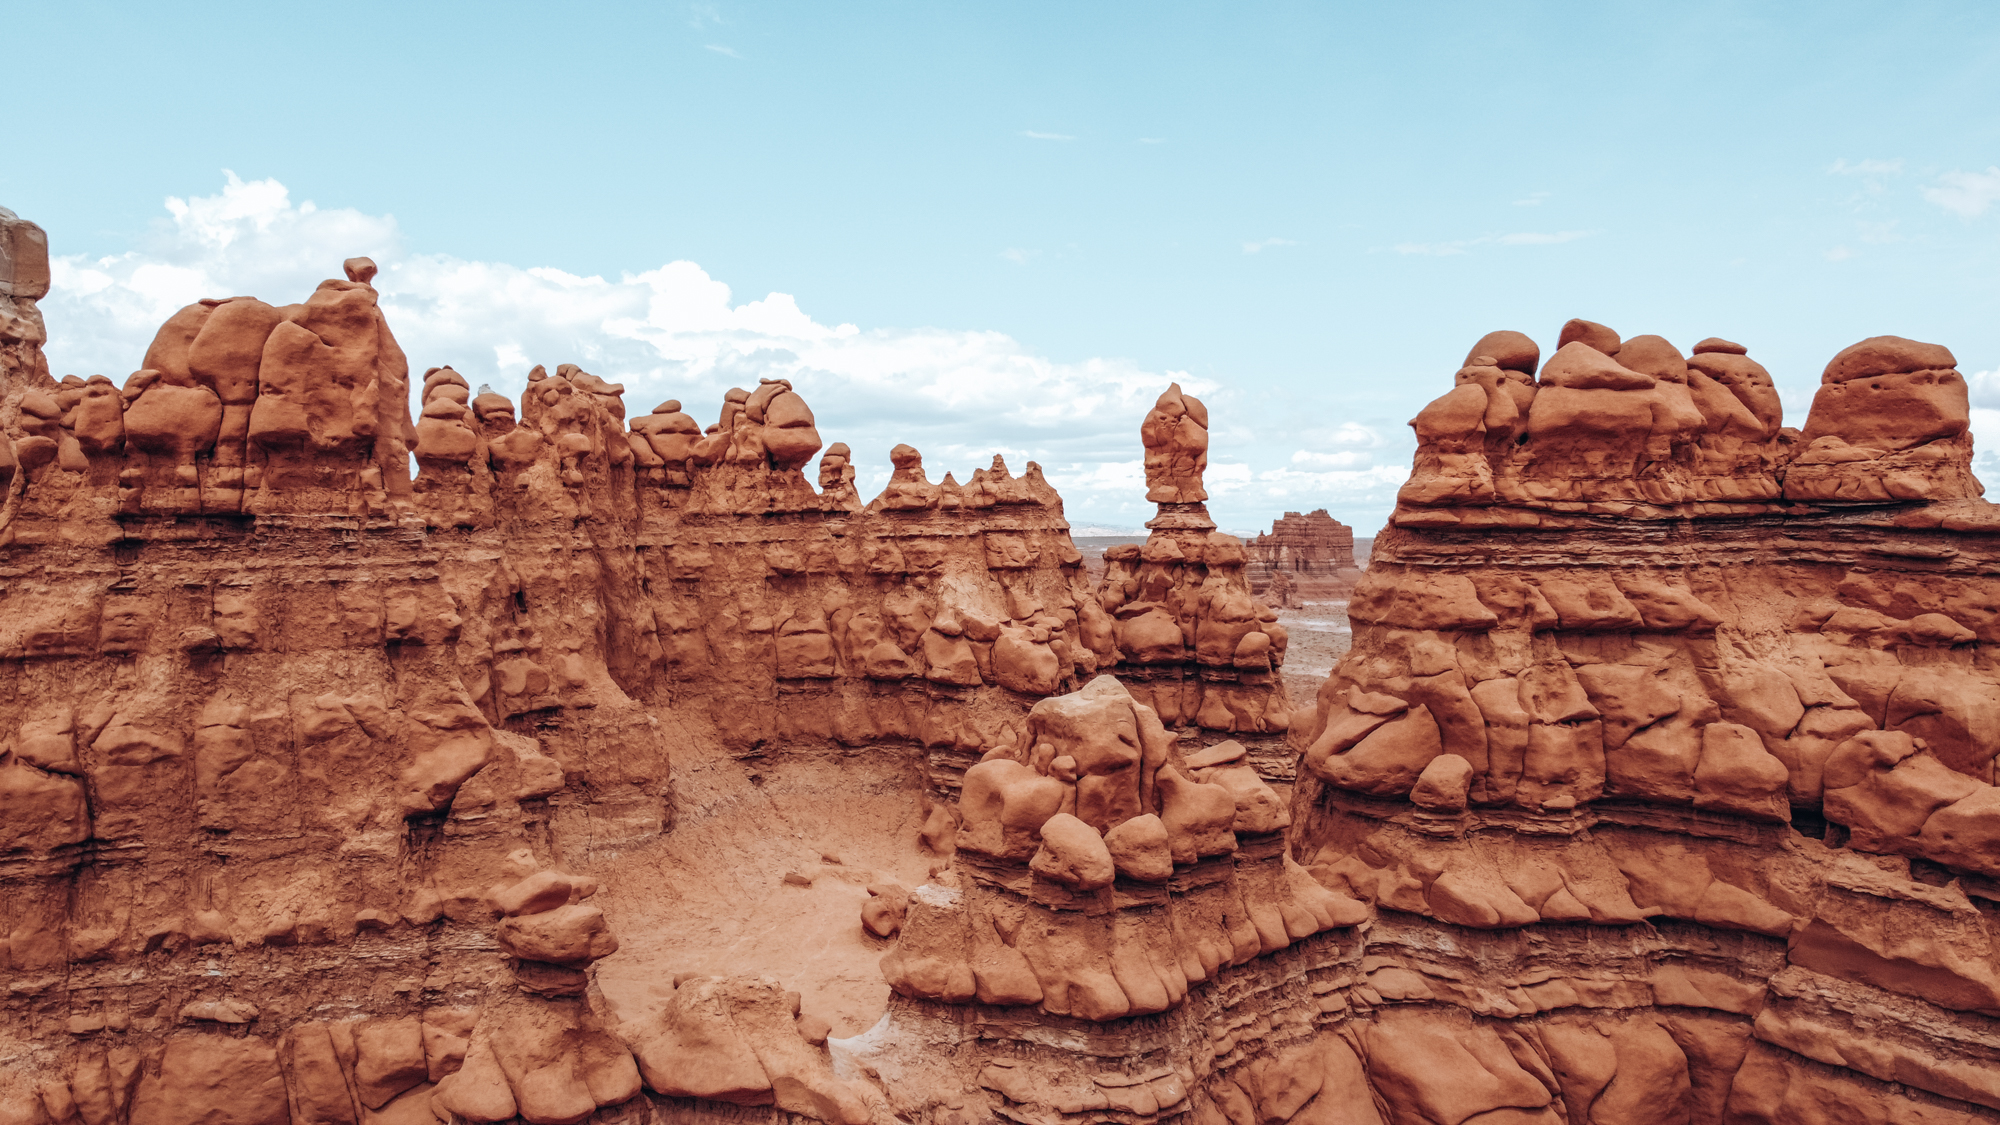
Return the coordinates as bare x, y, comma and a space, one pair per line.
1319, 636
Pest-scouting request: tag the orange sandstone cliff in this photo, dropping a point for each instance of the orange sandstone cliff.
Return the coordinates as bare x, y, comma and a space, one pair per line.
610, 769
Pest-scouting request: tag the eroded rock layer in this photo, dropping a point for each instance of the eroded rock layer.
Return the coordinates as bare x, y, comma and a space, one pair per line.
1662, 749
1658, 774
311, 769
609, 770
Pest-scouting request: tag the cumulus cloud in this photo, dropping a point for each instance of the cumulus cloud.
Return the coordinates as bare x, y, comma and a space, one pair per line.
1355, 434
1983, 387
1967, 194
1338, 459
1374, 486
677, 332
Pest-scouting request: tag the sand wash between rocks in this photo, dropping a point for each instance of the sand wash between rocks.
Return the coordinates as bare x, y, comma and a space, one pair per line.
611, 771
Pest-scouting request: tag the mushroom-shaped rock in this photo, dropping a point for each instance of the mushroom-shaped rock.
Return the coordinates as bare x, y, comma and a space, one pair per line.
887, 905
543, 891
1655, 356
908, 489
1444, 785
1890, 394
1072, 853
1258, 809
1507, 350
1175, 434
836, 476
1140, 849
1890, 421
1886, 355
789, 436
568, 935
1581, 367
1198, 817
1589, 333
1099, 730
1003, 805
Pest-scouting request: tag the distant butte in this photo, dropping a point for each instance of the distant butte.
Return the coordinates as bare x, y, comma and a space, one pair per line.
1303, 558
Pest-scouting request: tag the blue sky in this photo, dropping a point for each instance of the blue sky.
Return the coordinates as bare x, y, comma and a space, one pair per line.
1005, 227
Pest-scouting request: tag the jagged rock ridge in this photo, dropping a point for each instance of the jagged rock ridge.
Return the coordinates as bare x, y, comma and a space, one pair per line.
1657, 786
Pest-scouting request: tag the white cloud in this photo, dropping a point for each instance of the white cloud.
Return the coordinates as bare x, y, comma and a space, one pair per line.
675, 331
1363, 484
1032, 135
1986, 439
1968, 194
1266, 243
1532, 199
700, 15
1354, 433
1019, 256
1522, 238
1838, 254
1353, 444
1983, 387
1343, 459
721, 50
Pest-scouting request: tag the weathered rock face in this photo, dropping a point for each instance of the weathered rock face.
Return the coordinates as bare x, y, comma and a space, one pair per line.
24, 280
1302, 558
309, 766
1668, 772
1657, 787
1102, 869
1175, 434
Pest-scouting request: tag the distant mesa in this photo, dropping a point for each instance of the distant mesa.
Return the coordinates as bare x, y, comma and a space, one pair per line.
1303, 558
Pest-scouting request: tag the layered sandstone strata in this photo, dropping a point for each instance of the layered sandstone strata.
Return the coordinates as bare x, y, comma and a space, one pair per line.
1664, 815
1657, 787
1303, 558
1662, 749
309, 763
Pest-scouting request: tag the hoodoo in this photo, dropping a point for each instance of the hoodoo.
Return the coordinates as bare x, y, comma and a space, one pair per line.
612, 769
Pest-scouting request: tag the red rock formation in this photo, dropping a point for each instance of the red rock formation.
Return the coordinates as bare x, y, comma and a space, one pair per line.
310, 768
1175, 434
1313, 553
1657, 787
1691, 710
